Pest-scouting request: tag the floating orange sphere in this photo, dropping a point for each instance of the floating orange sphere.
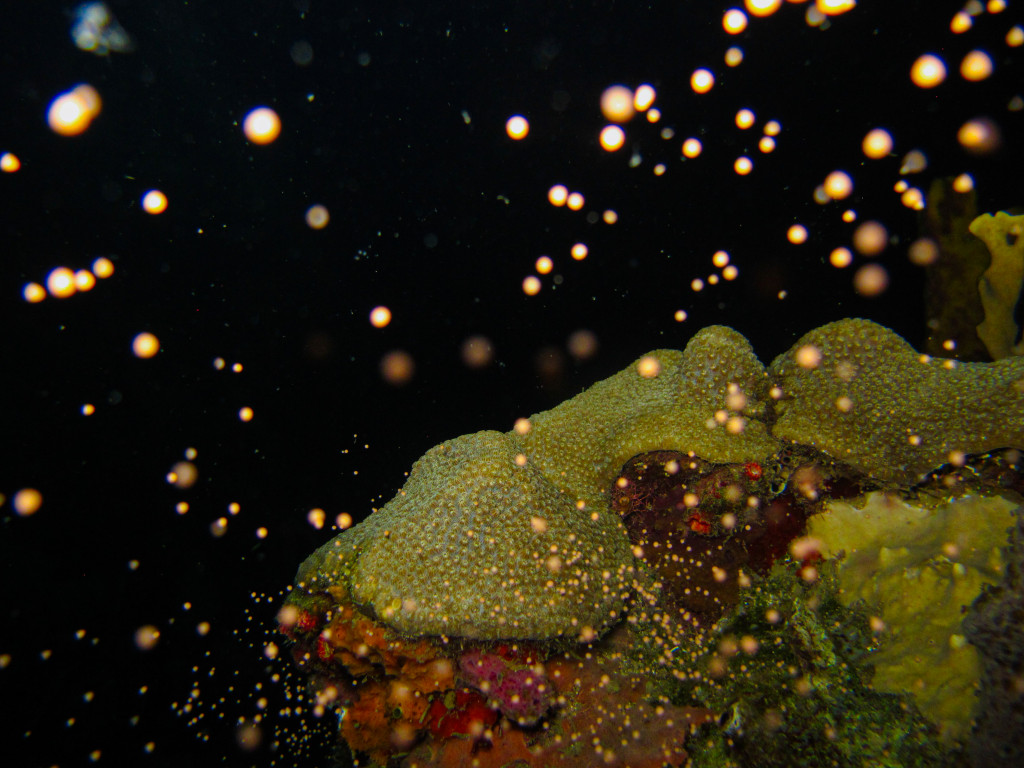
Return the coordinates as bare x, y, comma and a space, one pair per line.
612, 138
145, 345
72, 112
702, 80
928, 71
262, 126
517, 127
154, 202
617, 104
877, 143
380, 317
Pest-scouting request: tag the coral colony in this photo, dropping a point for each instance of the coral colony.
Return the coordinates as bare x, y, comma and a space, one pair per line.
678, 563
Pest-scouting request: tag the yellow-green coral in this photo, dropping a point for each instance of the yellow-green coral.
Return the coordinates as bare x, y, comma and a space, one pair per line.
479, 544
1001, 284
511, 535
918, 567
705, 399
860, 393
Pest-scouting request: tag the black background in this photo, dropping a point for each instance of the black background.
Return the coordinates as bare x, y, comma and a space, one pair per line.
438, 219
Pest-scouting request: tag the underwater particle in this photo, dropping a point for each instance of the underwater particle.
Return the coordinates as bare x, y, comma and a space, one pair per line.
317, 216
249, 736
914, 161
97, 31
316, 517
103, 267
558, 194
702, 80
154, 202
838, 185
261, 126
913, 198
183, 474
60, 282
870, 238
870, 280
743, 165
923, 252
733, 56
692, 148
582, 344
960, 23
835, 7
145, 345
380, 316
612, 138
517, 127
343, 521
9, 162
840, 257
877, 143
734, 21
1015, 36
808, 356
980, 136
146, 637
245, 414
574, 201
27, 501
976, 66
762, 8
543, 265
644, 97
797, 234
71, 112
745, 119
85, 281
648, 367
617, 104
928, 71
963, 183
477, 352
397, 367
579, 251
531, 285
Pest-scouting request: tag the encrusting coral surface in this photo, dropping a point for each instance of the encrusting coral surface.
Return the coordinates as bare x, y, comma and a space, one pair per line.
548, 595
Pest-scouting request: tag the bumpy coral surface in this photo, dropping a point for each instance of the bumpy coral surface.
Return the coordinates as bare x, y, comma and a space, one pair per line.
860, 393
545, 596
705, 400
479, 544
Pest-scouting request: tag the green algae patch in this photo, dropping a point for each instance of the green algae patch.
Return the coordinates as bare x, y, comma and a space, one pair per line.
789, 672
